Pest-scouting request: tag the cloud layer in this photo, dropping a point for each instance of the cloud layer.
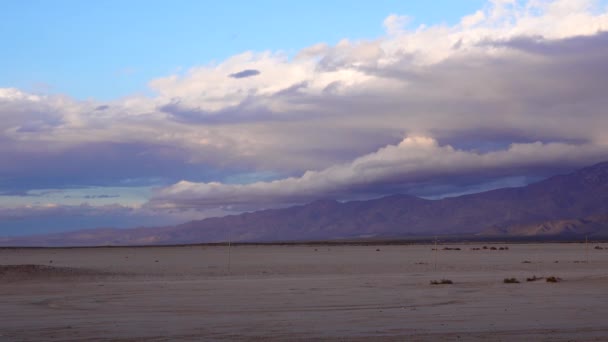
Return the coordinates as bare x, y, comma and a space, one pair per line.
413, 163
514, 89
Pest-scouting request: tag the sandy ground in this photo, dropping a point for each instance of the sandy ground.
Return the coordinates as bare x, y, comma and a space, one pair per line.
276, 293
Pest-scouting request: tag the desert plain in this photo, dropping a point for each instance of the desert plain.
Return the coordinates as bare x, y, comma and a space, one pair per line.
305, 293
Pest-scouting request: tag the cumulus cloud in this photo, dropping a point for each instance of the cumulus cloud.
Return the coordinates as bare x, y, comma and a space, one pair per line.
512, 88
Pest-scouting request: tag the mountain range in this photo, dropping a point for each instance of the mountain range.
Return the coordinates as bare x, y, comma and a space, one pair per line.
570, 205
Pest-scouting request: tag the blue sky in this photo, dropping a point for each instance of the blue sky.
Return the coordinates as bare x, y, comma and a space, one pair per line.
129, 113
109, 49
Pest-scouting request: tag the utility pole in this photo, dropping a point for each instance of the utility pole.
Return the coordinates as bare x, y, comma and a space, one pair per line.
586, 250
229, 254
436, 251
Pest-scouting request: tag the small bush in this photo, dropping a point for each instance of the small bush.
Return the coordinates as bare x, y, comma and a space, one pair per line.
493, 248
526, 262
511, 281
598, 247
553, 279
441, 282
534, 278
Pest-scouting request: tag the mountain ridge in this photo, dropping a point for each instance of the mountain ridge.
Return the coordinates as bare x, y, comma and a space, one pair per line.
575, 196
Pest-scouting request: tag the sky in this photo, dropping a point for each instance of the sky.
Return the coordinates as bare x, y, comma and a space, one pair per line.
147, 113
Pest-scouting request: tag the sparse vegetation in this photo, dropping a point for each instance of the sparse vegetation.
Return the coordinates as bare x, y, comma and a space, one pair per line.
526, 262
451, 248
441, 282
534, 278
475, 248
598, 247
553, 279
511, 281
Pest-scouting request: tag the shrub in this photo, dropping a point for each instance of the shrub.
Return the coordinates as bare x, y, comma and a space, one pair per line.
511, 281
526, 262
534, 278
442, 281
553, 279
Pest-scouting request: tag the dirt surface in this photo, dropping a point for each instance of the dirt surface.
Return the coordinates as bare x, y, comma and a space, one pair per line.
28, 273
307, 293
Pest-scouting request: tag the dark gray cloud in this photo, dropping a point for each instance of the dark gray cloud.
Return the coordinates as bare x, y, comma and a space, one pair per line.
102, 107
101, 196
96, 164
572, 46
245, 73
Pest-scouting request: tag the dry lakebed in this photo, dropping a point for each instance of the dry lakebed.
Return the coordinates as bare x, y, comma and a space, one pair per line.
306, 293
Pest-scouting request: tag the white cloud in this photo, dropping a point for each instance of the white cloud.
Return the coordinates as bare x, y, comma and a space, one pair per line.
413, 160
395, 24
473, 19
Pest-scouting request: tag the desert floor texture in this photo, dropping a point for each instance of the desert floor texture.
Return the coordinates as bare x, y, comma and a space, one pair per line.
291, 293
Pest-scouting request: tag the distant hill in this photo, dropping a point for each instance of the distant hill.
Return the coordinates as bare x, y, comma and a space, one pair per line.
558, 205
591, 227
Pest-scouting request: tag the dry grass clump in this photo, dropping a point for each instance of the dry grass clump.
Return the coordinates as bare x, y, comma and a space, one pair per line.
511, 281
534, 278
553, 279
441, 282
